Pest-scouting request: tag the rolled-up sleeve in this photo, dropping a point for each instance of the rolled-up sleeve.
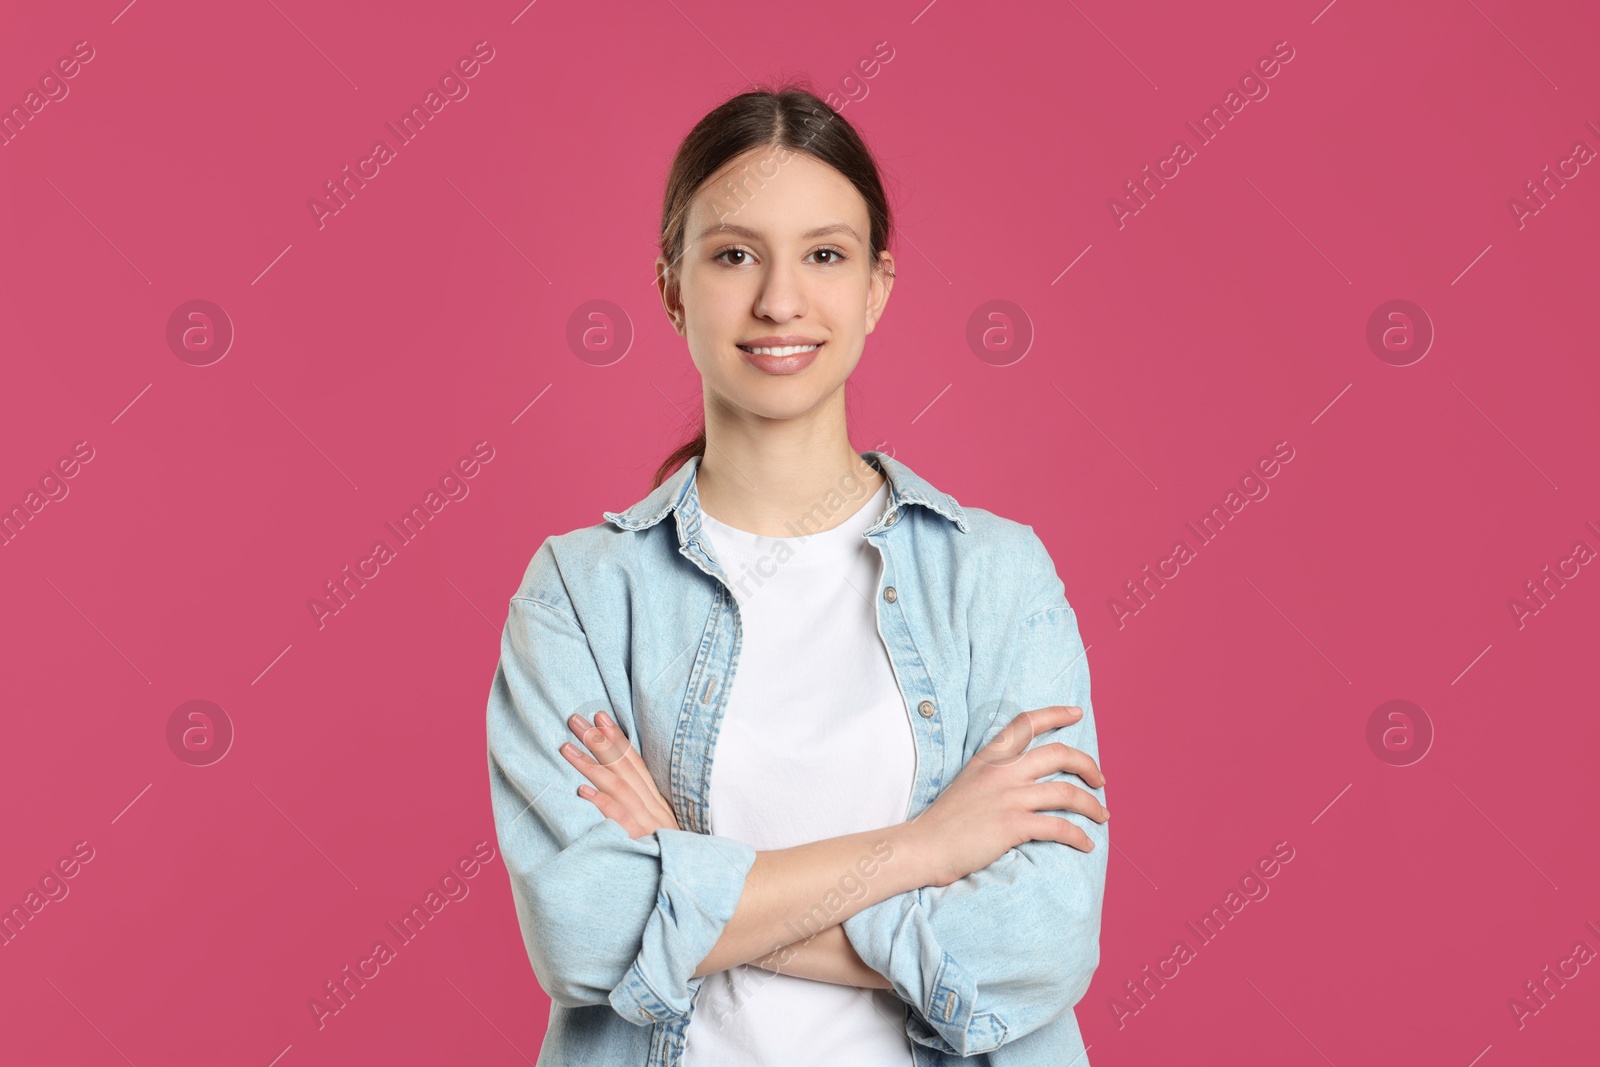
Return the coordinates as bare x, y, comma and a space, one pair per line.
1004, 951
605, 918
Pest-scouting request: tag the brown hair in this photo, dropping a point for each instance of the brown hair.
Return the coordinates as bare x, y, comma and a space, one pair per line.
791, 118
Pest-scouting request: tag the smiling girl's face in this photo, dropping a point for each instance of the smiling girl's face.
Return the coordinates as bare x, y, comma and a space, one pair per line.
763, 281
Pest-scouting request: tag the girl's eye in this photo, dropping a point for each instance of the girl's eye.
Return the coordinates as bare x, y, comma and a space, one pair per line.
837, 256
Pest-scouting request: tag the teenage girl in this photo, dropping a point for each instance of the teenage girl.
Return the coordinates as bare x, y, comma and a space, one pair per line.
879, 866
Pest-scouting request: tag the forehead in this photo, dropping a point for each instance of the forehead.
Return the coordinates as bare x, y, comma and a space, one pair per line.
776, 194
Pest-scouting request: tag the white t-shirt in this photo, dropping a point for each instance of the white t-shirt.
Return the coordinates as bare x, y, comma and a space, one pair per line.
815, 742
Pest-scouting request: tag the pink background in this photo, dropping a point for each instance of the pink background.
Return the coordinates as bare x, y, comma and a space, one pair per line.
1230, 313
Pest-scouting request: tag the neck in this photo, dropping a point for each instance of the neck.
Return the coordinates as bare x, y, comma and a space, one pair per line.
783, 484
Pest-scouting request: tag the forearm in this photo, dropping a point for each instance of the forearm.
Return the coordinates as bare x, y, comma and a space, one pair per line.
825, 957
793, 893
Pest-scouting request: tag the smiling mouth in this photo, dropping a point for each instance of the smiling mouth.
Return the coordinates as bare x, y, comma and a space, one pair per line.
779, 350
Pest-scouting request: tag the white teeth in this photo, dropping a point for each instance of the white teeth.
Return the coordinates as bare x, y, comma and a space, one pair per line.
786, 350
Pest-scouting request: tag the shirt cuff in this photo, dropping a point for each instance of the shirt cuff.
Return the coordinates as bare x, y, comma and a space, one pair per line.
894, 938
702, 879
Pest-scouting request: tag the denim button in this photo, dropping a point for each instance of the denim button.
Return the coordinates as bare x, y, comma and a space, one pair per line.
889, 594
925, 709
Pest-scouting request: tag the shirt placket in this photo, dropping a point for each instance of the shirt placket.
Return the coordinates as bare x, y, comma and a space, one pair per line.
927, 728
710, 679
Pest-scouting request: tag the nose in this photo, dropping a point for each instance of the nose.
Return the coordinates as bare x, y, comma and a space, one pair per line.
782, 294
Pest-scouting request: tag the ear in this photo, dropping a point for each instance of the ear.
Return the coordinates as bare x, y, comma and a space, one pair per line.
671, 294
879, 286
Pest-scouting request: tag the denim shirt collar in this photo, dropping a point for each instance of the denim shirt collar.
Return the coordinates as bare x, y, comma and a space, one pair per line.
680, 492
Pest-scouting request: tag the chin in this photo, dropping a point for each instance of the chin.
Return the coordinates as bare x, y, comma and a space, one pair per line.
781, 399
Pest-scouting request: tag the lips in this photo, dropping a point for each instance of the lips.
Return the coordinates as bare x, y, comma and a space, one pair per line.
798, 357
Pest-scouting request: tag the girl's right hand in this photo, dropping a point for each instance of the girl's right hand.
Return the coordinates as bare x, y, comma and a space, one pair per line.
994, 804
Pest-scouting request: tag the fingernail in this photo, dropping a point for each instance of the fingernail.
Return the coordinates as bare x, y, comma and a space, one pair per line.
603, 719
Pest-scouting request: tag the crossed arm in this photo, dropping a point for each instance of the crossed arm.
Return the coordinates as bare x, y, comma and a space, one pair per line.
947, 951
825, 957
628, 796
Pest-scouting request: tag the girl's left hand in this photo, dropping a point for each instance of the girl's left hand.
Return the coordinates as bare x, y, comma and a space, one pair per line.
622, 787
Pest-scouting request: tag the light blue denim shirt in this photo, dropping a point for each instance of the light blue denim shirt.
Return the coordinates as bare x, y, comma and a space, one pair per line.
634, 616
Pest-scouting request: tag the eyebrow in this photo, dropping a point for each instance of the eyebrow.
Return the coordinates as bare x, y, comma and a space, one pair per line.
746, 232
